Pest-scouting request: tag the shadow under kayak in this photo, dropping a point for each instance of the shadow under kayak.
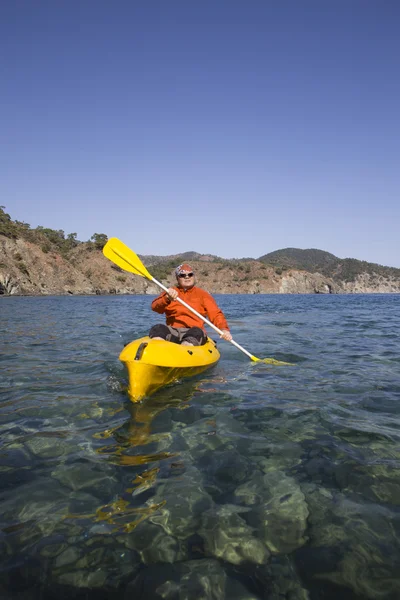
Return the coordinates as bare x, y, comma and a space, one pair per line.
153, 364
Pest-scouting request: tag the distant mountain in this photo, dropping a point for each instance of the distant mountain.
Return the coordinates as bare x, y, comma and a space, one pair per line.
319, 261
311, 260
153, 259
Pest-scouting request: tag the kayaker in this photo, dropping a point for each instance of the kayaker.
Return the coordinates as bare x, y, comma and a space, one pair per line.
182, 326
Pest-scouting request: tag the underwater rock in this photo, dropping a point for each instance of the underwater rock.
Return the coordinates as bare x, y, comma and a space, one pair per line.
52, 550
81, 503
225, 469
96, 567
378, 483
189, 415
166, 549
185, 501
253, 492
39, 505
154, 545
217, 432
320, 501
16, 458
279, 510
91, 558
141, 537
199, 579
226, 535
50, 447
84, 579
352, 545
280, 456
202, 437
80, 476
67, 557
281, 579
103, 529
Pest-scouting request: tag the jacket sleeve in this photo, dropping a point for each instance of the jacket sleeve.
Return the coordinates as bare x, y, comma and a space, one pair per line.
160, 303
214, 312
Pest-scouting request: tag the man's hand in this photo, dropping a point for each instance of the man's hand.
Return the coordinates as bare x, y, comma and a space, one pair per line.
226, 335
172, 294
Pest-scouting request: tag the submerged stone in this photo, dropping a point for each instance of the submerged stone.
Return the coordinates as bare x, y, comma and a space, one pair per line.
165, 549
86, 475
154, 545
226, 535
91, 558
185, 501
82, 503
376, 482
352, 545
227, 467
38, 508
197, 579
84, 579
70, 555
53, 550
279, 510
50, 447
282, 580
221, 431
102, 529
281, 456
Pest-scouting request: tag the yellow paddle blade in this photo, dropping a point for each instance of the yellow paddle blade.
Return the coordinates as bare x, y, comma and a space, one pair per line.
270, 361
124, 257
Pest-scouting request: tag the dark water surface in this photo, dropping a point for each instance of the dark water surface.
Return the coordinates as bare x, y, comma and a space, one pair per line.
249, 482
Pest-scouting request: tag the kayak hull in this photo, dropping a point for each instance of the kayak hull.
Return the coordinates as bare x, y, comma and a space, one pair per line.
153, 364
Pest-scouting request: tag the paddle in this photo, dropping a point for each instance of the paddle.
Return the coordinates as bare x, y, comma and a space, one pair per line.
124, 257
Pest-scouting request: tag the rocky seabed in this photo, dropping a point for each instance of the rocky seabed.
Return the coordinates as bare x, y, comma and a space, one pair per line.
214, 512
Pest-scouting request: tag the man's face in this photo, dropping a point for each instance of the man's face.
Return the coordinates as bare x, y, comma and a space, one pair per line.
186, 280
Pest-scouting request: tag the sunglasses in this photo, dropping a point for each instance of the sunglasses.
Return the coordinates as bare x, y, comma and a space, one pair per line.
185, 275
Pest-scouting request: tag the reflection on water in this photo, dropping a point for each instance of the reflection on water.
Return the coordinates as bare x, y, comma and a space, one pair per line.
248, 482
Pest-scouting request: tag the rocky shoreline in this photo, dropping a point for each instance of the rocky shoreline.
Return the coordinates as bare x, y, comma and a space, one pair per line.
26, 270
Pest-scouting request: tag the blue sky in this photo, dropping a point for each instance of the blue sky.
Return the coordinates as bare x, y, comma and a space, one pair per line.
224, 127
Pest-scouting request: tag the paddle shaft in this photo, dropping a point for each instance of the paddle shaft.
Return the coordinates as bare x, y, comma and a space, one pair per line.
203, 319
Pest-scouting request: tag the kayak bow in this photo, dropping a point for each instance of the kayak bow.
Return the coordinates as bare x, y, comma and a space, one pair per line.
153, 364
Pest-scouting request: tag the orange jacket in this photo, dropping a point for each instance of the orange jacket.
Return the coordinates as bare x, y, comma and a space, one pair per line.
178, 315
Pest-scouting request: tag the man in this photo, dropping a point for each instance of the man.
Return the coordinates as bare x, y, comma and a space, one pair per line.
182, 326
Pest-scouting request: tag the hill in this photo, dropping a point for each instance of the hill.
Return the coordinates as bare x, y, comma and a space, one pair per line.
43, 261
152, 259
294, 258
319, 261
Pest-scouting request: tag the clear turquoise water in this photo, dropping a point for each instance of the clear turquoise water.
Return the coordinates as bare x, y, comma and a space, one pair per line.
251, 481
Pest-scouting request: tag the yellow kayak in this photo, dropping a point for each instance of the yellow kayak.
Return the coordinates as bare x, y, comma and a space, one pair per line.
152, 364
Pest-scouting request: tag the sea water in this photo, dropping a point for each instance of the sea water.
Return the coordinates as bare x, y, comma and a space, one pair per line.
250, 481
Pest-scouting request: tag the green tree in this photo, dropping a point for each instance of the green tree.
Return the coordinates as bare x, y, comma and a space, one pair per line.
22, 224
57, 237
71, 241
100, 240
7, 226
